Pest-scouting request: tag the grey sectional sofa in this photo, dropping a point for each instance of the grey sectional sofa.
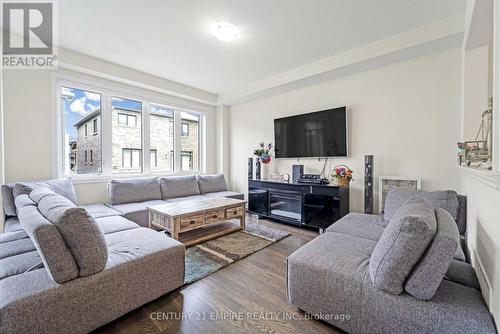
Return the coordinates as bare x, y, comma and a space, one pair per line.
400, 272
69, 269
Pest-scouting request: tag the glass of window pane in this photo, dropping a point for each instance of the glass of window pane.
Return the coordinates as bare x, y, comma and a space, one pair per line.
190, 141
82, 131
126, 133
161, 138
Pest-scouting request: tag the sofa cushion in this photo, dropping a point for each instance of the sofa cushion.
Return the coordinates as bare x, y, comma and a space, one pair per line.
396, 197
15, 247
425, 278
402, 244
19, 264
100, 210
22, 201
12, 224
228, 194
122, 191
8, 200
462, 273
114, 224
137, 212
361, 225
63, 187
178, 186
212, 183
11, 236
55, 255
79, 230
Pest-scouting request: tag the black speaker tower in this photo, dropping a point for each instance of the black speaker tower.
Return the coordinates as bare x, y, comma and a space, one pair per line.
257, 169
369, 184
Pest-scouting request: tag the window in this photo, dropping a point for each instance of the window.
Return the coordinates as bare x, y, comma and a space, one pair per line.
186, 161
81, 113
127, 119
126, 135
153, 158
190, 145
131, 158
161, 137
104, 133
184, 129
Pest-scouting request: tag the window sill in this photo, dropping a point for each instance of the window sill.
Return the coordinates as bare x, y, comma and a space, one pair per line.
90, 179
487, 177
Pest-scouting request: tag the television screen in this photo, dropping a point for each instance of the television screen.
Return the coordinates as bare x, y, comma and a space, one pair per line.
312, 135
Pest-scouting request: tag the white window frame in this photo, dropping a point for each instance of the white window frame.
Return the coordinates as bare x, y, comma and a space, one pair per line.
77, 82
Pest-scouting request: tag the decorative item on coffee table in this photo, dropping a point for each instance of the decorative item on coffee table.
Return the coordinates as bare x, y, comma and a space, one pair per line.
342, 174
264, 157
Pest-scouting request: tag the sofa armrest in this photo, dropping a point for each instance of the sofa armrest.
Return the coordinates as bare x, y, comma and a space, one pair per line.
462, 273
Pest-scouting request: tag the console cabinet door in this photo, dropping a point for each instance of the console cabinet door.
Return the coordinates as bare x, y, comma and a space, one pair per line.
258, 201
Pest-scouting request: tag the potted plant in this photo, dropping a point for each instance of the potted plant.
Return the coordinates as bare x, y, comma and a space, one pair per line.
342, 174
263, 154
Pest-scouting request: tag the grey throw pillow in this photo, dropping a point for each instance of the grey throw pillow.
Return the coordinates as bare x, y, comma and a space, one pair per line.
179, 186
133, 190
63, 187
427, 275
396, 197
212, 183
401, 245
80, 232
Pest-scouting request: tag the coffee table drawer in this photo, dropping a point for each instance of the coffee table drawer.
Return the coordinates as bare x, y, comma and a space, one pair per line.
214, 216
191, 222
235, 212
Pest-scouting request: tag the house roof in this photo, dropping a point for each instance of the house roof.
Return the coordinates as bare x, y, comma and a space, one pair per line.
87, 117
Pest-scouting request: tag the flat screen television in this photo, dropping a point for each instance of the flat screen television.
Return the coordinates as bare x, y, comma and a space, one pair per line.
313, 135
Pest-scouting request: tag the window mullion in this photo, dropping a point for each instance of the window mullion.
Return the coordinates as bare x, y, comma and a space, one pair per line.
177, 141
146, 137
106, 116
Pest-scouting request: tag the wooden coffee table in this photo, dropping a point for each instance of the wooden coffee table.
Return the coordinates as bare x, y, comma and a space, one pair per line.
195, 221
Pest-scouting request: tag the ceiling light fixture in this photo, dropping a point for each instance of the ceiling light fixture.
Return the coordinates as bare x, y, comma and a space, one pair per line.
225, 32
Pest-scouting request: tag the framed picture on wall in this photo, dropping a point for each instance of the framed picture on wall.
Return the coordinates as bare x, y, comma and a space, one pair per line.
385, 182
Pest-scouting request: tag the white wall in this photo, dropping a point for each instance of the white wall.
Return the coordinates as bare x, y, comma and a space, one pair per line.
406, 114
29, 125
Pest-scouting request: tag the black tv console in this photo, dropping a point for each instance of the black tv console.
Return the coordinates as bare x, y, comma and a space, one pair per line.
313, 205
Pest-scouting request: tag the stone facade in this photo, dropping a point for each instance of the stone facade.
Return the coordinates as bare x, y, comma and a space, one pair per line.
127, 143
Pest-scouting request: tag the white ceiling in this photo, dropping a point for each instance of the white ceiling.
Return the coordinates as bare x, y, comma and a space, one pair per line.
171, 38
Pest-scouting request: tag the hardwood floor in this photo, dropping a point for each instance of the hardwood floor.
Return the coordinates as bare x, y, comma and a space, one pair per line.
250, 294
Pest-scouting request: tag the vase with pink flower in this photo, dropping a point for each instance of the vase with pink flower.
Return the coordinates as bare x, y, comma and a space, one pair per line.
342, 174
264, 155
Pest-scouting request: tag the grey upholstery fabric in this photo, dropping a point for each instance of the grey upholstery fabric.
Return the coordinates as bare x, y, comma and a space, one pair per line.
22, 201
12, 224
228, 194
402, 244
178, 186
114, 224
63, 187
100, 210
361, 225
79, 230
137, 212
459, 254
11, 236
122, 191
16, 247
9, 208
396, 197
329, 278
18, 264
462, 214
426, 276
142, 266
212, 183
56, 256
462, 273
187, 198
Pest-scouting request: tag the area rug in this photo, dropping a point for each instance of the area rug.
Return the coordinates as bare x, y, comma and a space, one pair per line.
207, 257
